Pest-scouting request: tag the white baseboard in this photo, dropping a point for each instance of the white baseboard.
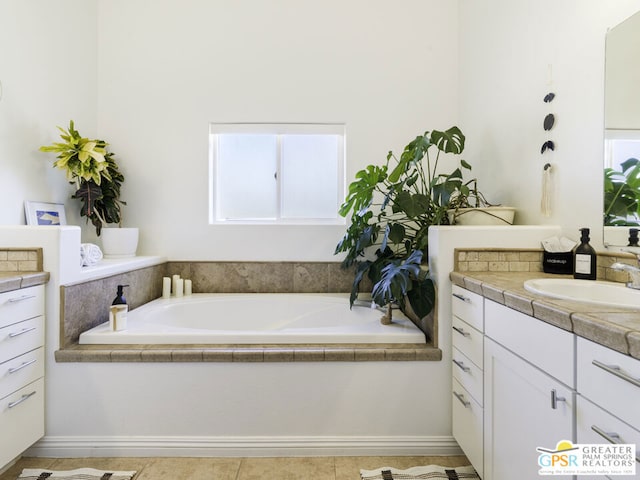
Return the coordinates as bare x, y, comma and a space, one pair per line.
177, 446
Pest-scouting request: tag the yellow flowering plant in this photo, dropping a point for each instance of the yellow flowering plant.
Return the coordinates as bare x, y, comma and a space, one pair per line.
91, 167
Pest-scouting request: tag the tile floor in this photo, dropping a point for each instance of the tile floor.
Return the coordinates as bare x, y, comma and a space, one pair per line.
294, 468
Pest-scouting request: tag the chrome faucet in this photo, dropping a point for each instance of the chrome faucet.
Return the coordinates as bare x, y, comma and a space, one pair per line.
634, 273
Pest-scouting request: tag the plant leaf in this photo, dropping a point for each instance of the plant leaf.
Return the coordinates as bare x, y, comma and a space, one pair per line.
449, 141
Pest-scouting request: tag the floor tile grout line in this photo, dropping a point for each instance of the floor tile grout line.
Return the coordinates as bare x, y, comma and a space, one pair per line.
237, 477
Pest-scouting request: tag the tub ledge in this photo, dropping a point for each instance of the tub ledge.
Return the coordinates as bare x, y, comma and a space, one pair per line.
252, 353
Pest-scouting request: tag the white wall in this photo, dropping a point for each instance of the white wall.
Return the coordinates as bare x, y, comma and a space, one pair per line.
48, 75
389, 70
512, 53
386, 69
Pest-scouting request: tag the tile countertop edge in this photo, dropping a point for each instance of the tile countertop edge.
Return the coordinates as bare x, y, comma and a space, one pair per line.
10, 281
615, 328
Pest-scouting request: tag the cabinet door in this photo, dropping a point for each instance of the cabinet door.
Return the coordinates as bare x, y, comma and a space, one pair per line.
19, 305
21, 420
467, 425
610, 379
519, 416
597, 426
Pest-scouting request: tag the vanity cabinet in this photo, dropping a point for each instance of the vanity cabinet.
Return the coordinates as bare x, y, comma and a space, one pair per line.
608, 384
529, 394
467, 370
21, 370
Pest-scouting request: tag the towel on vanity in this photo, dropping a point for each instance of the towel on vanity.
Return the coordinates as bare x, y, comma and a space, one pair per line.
90, 254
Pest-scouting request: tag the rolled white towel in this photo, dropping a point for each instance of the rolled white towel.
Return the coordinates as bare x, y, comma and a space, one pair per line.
90, 254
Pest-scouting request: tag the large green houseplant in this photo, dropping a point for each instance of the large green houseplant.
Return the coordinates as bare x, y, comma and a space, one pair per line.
94, 172
391, 207
622, 194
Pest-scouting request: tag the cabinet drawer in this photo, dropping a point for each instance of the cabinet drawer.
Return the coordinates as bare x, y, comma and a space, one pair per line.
22, 304
468, 374
467, 306
468, 340
21, 420
20, 371
21, 337
550, 348
594, 425
609, 379
467, 425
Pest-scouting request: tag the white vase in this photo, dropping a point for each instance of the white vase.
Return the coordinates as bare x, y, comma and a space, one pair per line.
119, 242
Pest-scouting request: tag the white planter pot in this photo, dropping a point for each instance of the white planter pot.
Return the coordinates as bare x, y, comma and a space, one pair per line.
482, 216
119, 242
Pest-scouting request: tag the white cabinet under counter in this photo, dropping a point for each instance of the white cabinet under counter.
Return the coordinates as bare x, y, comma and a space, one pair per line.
21, 370
529, 395
609, 398
467, 367
543, 383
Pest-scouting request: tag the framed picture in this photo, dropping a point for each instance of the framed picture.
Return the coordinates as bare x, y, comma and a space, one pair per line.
39, 213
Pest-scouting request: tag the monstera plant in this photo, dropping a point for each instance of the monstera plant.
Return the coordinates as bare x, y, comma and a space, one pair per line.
95, 173
622, 194
391, 208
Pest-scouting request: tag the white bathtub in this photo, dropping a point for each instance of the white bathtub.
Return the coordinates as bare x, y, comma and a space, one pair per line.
261, 318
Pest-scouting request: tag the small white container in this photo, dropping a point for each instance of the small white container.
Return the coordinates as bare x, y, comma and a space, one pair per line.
118, 317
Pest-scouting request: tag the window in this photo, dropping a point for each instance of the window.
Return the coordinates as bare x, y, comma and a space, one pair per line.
620, 145
276, 173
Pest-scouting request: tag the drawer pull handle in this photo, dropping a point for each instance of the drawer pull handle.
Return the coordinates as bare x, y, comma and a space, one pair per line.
555, 399
462, 366
610, 437
462, 297
466, 403
21, 298
22, 399
461, 331
617, 371
25, 364
21, 332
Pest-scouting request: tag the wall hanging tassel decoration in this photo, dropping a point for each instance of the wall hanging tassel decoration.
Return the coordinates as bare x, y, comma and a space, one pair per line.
545, 203
548, 145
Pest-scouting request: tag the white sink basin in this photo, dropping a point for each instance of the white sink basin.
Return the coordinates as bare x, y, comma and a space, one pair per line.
609, 294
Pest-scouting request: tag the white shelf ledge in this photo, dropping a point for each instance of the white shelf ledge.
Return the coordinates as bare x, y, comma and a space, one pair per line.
112, 266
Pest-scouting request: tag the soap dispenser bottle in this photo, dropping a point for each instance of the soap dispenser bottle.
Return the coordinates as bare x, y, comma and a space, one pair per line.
120, 300
584, 258
118, 310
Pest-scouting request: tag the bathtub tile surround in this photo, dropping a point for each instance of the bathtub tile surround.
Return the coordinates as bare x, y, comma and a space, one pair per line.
254, 353
264, 277
85, 305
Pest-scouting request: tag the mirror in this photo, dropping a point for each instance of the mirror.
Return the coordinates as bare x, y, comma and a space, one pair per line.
622, 131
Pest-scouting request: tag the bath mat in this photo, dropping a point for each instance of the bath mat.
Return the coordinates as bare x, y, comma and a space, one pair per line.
419, 473
78, 474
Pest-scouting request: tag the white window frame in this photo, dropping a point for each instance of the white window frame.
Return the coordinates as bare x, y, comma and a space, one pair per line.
278, 129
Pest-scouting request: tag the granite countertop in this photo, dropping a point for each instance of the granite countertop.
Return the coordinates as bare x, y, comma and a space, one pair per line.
616, 328
16, 280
